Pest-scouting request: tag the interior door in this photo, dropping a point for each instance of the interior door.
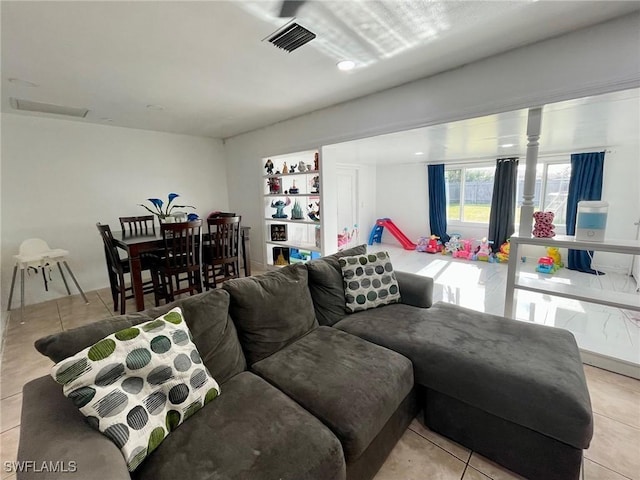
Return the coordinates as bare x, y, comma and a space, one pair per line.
347, 214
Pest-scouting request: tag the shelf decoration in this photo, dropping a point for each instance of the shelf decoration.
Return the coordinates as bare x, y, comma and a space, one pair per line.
296, 211
269, 166
278, 232
314, 211
285, 169
280, 256
279, 206
275, 185
294, 190
315, 184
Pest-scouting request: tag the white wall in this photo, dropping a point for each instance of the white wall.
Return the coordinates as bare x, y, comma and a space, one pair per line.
586, 62
59, 178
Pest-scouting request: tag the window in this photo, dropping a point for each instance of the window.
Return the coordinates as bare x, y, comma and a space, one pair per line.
469, 192
470, 189
551, 189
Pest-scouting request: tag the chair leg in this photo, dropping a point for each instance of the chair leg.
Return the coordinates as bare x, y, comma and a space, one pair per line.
64, 279
73, 277
13, 284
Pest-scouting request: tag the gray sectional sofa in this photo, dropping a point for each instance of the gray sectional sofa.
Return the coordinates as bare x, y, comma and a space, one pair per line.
309, 392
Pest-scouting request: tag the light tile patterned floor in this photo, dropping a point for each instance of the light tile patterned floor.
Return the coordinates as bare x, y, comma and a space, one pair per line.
420, 455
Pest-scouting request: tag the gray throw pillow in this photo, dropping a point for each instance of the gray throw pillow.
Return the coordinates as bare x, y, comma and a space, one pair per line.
369, 281
271, 310
326, 285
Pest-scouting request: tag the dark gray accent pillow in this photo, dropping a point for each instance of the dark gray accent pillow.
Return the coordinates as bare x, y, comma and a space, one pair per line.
369, 281
206, 315
271, 310
327, 287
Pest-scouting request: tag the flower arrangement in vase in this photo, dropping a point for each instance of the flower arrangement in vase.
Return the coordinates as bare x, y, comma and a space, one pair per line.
164, 212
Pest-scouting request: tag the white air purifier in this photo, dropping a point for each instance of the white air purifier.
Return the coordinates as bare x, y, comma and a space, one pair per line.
591, 221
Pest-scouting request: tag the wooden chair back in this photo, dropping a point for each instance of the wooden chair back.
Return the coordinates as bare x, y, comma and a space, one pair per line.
140, 225
110, 250
222, 249
181, 246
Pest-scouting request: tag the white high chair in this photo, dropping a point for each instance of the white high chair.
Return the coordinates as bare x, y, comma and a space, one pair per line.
35, 253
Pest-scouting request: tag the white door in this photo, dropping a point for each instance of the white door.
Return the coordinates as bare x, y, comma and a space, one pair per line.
347, 215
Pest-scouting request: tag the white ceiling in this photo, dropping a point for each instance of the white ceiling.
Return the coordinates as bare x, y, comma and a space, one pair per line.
204, 68
604, 121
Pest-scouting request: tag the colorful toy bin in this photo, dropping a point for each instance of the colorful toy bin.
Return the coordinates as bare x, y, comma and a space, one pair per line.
591, 221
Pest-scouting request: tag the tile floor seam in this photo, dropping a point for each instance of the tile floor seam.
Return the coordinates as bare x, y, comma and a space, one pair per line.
618, 421
441, 448
609, 468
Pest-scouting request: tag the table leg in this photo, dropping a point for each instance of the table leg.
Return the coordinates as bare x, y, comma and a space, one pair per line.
509, 310
136, 281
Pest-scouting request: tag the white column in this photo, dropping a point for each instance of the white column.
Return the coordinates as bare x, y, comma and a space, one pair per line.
533, 134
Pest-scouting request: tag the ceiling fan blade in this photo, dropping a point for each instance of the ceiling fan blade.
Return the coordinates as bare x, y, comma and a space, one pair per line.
290, 7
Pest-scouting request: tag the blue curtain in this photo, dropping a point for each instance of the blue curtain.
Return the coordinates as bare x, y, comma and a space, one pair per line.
585, 183
503, 202
437, 202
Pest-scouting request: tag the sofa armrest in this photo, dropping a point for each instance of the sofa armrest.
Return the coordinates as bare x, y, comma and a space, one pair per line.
415, 289
53, 431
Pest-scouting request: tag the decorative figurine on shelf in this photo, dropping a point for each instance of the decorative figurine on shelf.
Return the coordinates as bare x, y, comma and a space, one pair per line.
302, 167
269, 166
279, 206
292, 168
314, 211
316, 161
315, 184
274, 185
285, 169
296, 211
294, 190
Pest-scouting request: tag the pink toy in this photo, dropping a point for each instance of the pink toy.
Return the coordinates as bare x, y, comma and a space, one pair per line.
483, 252
544, 225
465, 251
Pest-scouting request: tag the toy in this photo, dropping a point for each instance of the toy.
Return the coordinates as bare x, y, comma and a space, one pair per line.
274, 185
285, 169
315, 184
465, 251
296, 211
453, 245
503, 255
553, 252
313, 211
279, 206
545, 265
344, 239
316, 162
292, 168
544, 226
269, 166
483, 252
429, 245
294, 190
302, 167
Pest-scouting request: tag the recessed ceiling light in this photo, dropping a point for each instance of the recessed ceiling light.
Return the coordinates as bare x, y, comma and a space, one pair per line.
155, 107
419, 153
507, 145
345, 65
22, 83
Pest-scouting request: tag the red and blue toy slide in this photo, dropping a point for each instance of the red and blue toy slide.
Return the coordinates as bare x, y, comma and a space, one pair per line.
376, 233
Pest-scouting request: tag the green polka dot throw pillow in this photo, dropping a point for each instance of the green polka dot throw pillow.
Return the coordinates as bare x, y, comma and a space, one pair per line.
369, 281
137, 385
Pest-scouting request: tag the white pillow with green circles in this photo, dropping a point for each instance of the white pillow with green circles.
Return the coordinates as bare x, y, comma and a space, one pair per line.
137, 385
369, 281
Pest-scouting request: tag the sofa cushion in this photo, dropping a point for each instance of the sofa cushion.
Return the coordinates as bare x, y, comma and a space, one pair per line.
369, 281
351, 385
525, 373
139, 384
271, 310
327, 287
206, 314
252, 431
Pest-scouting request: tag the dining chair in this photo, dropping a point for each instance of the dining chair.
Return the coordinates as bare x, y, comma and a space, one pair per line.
140, 225
220, 252
221, 214
180, 261
117, 268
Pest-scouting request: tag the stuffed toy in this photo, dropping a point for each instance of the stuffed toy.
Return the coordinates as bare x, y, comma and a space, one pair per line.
503, 254
544, 226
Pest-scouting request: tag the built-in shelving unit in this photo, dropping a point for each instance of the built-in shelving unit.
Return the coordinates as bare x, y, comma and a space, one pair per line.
288, 239
515, 281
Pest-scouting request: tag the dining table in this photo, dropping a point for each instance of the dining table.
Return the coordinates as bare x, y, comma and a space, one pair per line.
137, 245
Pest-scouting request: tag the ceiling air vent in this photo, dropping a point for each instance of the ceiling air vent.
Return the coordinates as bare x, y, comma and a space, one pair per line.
30, 106
292, 36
